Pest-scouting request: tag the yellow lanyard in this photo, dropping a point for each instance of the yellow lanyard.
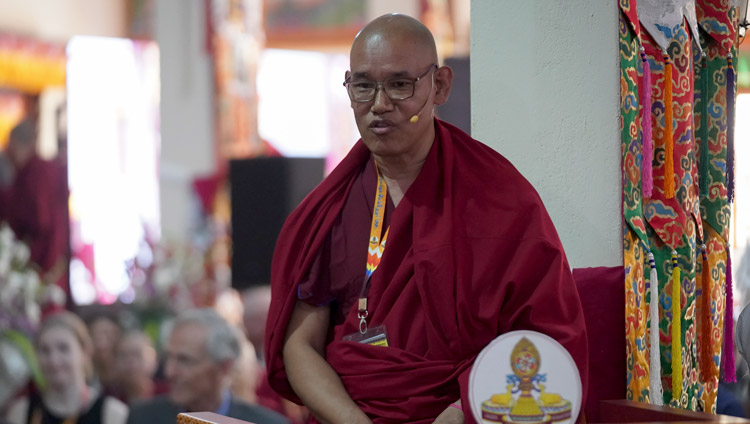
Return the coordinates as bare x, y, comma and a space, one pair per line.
375, 247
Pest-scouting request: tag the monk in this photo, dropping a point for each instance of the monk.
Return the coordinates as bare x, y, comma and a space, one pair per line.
420, 248
36, 204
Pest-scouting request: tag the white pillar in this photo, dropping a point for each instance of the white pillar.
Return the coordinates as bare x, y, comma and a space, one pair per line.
187, 138
545, 94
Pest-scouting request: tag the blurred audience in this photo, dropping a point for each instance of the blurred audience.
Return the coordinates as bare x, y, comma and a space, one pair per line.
248, 314
245, 377
201, 352
727, 403
256, 301
246, 371
229, 305
135, 366
64, 349
105, 333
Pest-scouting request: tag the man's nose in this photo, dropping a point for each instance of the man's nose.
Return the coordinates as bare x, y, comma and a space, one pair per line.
381, 102
169, 369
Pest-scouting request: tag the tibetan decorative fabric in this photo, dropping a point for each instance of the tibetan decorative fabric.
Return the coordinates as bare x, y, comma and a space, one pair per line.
715, 207
718, 21
634, 230
630, 9
672, 220
660, 223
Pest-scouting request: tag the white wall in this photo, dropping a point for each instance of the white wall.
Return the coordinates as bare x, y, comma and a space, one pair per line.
377, 8
545, 93
58, 20
187, 138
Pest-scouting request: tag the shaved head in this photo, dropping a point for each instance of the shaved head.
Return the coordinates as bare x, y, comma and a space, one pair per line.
24, 133
397, 49
408, 32
22, 143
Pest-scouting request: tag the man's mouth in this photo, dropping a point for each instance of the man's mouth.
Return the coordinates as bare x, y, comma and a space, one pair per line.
382, 126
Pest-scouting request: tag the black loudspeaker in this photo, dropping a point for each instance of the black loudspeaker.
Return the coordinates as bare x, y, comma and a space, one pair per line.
264, 191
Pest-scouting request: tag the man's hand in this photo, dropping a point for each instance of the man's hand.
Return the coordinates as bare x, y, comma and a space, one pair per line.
451, 415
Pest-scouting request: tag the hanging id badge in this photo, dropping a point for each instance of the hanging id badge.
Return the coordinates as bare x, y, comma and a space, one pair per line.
376, 336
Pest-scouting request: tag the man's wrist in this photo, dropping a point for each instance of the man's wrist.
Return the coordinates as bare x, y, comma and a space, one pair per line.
354, 415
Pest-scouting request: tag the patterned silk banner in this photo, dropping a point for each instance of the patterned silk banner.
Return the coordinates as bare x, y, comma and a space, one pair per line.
661, 224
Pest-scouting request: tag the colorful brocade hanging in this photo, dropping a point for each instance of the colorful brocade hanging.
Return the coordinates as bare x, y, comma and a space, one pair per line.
672, 222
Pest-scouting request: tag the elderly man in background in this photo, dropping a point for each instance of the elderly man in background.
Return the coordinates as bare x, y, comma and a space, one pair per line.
201, 351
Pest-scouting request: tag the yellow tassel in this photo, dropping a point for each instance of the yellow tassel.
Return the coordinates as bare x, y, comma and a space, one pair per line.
669, 188
676, 330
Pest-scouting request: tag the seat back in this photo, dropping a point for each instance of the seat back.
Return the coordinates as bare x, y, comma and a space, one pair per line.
602, 293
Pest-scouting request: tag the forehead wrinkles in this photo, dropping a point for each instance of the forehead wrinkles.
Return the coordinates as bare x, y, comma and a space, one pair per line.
387, 55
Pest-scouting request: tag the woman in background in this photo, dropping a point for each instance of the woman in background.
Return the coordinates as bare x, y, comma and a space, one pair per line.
64, 350
135, 368
105, 332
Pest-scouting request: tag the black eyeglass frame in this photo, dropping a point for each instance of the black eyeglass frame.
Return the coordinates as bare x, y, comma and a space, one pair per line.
385, 90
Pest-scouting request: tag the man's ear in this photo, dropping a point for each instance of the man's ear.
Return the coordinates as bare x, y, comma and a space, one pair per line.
227, 367
443, 81
346, 77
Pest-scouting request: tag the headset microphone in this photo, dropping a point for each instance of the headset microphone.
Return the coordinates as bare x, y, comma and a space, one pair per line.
415, 118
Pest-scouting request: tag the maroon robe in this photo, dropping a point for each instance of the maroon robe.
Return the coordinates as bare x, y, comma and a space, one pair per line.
337, 275
36, 210
471, 254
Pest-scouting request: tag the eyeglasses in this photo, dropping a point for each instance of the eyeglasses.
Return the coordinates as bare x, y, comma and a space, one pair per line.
397, 88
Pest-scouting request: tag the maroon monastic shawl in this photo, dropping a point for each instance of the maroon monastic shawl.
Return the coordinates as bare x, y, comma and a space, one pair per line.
471, 254
37, 210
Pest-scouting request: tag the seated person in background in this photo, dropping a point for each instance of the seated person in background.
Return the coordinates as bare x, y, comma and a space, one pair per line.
135, 366
246, 368
727, 403
105, 333
471, 254
256, 301
64, 348
246, 371
201, 351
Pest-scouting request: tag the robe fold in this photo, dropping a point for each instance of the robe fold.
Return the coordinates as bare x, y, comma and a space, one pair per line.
471, 254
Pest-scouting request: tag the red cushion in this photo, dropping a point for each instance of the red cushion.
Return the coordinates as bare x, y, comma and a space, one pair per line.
602, 292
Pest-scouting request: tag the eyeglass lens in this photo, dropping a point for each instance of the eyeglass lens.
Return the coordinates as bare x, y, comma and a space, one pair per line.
395, 89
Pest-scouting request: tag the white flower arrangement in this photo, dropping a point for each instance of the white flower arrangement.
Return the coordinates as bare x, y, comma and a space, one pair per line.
23, 294
22, 291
